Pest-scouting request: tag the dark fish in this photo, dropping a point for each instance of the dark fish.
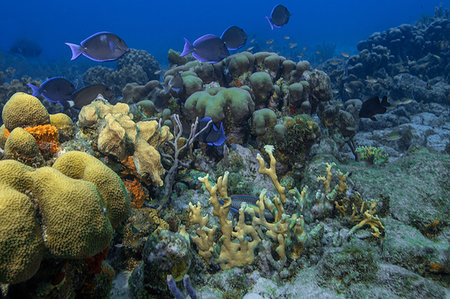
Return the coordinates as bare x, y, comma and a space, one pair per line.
234, 38
211, 135
279, 16
373, 106
86, 95
26, 48
208, 48
237, 200
175, 86
102, 46
56, 90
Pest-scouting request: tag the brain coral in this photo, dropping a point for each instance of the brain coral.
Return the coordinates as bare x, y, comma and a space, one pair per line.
46, 210
74, 225
24, 110
79, 165
21, 244
22, 146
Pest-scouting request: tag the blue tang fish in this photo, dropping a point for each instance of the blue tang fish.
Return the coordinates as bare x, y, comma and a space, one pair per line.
207, 48
101, 46
234, 37
175, 85
279, 16
56, 90
211, 135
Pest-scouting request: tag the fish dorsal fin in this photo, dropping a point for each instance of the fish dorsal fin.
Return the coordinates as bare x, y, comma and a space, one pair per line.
384, 102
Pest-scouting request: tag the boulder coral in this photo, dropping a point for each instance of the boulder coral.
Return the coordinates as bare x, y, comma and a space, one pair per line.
21, 146
24, 110
232, 106
46, 211
81, 166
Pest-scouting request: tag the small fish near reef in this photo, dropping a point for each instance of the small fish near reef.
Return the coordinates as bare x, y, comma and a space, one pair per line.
84, 96
279, 16
207, 48
101, 46
210, 135
234, 37
238, 199
175, 85
373, 106
56, 90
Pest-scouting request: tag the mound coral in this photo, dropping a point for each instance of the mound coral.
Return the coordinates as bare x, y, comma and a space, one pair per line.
21, 146
63, 214
232, 106
24, 110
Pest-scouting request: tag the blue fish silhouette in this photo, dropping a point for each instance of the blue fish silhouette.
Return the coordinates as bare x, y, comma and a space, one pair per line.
211, 135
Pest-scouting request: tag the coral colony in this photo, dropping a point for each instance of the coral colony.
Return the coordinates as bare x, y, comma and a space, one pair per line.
251, 174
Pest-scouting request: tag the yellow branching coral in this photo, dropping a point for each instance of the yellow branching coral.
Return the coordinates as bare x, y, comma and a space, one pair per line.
238, 244
350, 204
271, 172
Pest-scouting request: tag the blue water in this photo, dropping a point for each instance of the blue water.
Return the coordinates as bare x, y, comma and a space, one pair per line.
158, 26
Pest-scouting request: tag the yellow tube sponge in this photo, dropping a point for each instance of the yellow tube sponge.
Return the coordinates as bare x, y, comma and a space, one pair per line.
21, 244
24, 110
73, 220
79, 165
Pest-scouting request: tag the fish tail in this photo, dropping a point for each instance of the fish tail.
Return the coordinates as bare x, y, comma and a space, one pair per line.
270, 23
76, 50
35, 89
188, 48
222, 138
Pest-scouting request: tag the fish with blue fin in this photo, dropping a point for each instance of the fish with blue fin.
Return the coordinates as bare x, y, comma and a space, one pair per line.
279, 16
373, 106
210, 135
56, 90
234, 37
84, 96
238, 199
175, 85
101, 46
207, 48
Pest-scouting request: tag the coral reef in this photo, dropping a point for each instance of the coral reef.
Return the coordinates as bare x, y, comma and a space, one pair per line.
238, 244
49, 199
23, 110
165, 253
115, 133
135, 66
408, 61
